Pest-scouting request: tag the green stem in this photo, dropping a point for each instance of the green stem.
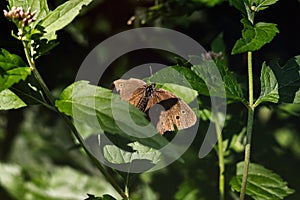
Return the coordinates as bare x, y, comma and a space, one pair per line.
249, 128
250, 80
221, 159
46, 91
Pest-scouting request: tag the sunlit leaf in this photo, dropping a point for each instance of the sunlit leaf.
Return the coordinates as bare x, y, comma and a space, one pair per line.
8, 100
115, 155
99, 108
62, 16
263, 4
12, 69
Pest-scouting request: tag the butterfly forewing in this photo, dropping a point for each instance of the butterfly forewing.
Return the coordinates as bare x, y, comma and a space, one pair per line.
126, 88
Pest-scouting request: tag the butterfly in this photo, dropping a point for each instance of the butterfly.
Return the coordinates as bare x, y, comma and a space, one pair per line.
168, 110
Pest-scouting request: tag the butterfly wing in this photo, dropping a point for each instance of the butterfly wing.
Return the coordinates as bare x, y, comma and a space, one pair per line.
158, 96
176, 112
169, 109
127, 88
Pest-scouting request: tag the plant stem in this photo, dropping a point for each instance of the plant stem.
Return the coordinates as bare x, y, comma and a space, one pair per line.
221, 159
69, 123
249, 128
250, 80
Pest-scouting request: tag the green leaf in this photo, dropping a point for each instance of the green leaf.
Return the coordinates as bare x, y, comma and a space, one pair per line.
175, 79
190, 77
262, 183
9, 100
115, 155
99, 108
280, 85
61, 17
269, 86
185, 93
250, 7
263, 4
12, 69
233, 89
207, 74
81, 100
105, 197
254, 37
228, 82
59, 183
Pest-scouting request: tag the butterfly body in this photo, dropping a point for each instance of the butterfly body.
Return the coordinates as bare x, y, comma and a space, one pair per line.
163, 108
148, 93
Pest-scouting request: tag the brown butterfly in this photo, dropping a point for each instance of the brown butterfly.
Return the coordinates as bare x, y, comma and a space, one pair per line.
169, 109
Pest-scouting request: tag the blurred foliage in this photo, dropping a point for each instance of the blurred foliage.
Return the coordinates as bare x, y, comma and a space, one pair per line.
40, 159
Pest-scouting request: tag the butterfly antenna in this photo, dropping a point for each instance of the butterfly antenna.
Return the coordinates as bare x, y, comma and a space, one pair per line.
151, 74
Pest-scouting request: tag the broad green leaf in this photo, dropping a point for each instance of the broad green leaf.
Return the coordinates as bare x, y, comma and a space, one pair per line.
228, 82
206, 72
175, 79
100, 109
263, 184
263, 4
61, 17
233, 89
269, 86
9, 100
61, 183
115, 155
192, 79
280, 84
254, 37
12, 69
186, 94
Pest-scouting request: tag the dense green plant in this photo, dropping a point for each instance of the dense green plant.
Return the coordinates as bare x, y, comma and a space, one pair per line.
22, 85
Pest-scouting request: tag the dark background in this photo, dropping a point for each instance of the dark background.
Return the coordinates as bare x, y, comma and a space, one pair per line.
104, 18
